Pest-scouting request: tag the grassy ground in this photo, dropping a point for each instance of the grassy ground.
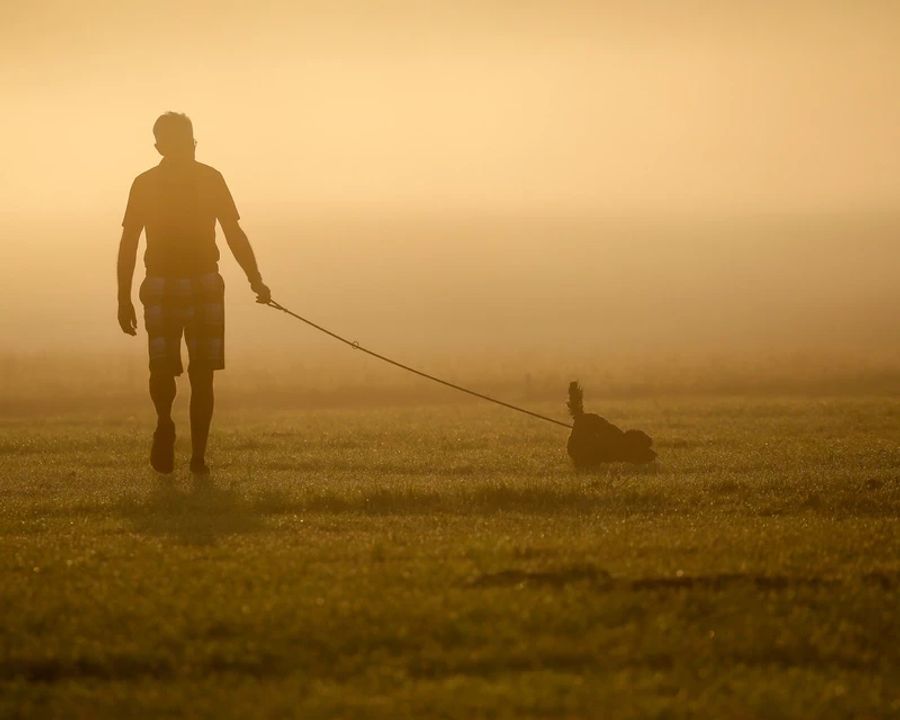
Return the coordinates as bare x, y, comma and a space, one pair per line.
446, 562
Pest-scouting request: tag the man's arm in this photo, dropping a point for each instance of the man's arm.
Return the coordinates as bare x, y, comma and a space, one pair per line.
243, 253
125, 273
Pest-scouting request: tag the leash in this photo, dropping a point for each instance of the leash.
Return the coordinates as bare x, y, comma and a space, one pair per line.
356, 346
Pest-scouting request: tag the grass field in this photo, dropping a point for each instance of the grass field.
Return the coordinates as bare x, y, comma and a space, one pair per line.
447, 562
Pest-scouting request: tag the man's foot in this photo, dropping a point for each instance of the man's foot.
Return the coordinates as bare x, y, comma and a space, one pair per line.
199, 467
162, 452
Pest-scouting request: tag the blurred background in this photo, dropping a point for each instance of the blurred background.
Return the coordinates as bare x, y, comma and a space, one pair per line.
651, 196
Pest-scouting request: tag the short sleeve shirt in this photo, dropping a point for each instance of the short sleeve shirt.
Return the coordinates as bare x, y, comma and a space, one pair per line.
178, 203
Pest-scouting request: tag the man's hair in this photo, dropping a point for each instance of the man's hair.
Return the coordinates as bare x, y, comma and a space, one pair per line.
174, 133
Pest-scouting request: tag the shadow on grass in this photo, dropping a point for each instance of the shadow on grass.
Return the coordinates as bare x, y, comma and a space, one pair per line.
202, 512
461, 500
415, 468
196, 515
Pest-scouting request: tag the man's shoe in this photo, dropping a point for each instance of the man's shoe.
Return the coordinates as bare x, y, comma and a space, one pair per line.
199, 467
162, 452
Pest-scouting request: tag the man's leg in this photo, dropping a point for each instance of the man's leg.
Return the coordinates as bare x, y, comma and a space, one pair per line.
162, 392
164, 330
204, 334
202, 401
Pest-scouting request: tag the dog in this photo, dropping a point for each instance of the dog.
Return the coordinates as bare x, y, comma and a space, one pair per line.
595, 441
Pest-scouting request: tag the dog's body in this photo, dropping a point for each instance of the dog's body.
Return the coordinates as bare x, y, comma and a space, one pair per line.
594, 440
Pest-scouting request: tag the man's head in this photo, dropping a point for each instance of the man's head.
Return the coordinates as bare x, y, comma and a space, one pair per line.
174, 135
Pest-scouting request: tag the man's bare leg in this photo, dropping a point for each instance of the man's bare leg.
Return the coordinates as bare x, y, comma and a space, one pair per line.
202, 401
162, 392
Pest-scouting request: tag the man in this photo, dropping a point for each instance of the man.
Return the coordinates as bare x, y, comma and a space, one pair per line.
178, 203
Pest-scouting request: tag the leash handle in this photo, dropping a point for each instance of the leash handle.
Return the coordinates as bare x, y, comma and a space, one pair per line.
356, 346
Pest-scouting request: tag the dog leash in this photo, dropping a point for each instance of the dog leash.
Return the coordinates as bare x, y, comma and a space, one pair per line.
356, 346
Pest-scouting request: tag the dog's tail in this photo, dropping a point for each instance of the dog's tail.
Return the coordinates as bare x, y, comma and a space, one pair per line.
576, 399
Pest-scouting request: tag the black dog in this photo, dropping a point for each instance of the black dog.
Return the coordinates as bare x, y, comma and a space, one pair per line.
594, 440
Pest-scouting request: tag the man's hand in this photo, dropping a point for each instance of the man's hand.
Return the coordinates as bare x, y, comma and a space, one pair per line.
127, 318
263, 294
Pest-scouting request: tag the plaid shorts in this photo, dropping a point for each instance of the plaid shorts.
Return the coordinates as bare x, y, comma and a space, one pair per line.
192, 306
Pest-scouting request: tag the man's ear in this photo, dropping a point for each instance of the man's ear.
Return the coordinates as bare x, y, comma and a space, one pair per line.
156, 145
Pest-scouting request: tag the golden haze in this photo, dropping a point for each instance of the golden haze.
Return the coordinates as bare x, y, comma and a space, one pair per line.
490, 181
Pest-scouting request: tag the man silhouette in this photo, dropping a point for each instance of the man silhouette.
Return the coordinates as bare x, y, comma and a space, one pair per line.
178, 203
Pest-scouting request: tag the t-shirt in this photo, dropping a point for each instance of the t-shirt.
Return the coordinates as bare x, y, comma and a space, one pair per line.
178, 202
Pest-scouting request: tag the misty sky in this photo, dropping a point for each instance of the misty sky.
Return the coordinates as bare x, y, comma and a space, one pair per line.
472, 177
585, 107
